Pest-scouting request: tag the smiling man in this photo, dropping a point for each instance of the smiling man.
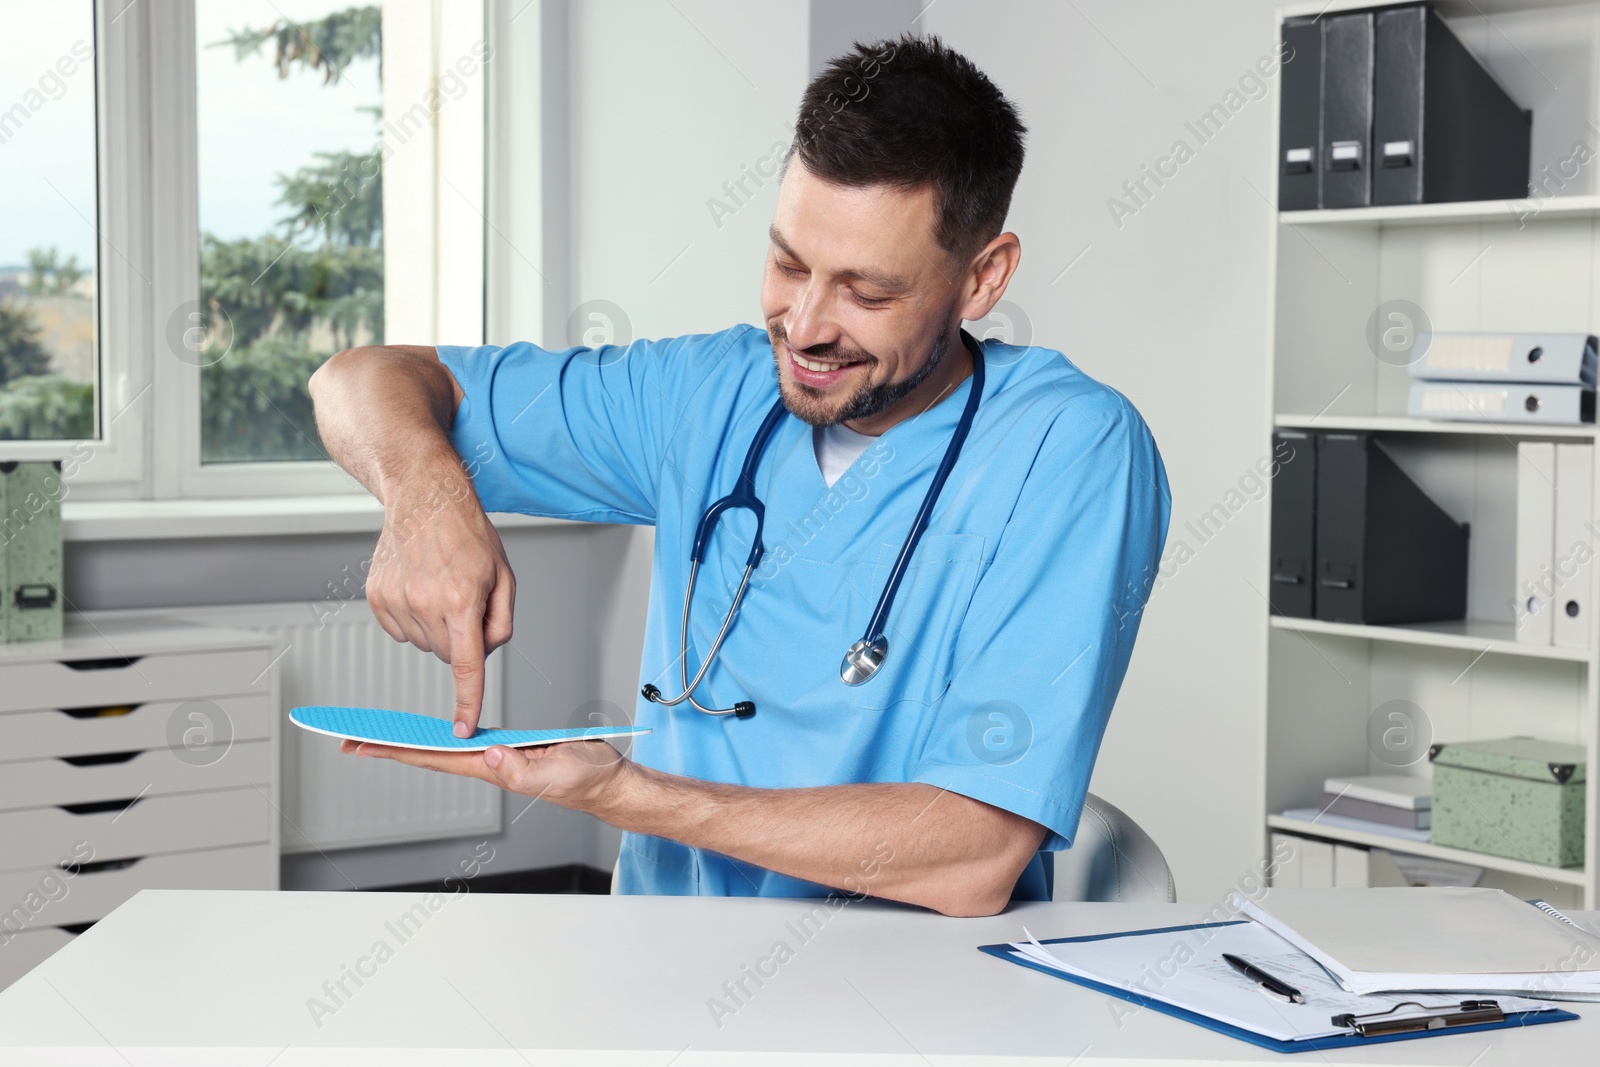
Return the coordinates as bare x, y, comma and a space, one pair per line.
977, 524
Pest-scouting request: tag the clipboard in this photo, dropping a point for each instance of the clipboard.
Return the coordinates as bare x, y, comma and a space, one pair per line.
1365, 1029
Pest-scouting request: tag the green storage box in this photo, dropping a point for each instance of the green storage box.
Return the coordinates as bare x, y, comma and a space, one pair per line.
1517, 797
30, 540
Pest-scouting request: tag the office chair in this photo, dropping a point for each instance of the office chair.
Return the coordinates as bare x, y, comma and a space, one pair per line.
1112, 859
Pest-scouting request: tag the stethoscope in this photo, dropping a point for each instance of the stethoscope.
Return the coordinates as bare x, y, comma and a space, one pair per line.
864, 657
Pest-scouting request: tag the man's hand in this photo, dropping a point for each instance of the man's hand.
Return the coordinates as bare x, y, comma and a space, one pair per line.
440, 580
439, 577
586, 775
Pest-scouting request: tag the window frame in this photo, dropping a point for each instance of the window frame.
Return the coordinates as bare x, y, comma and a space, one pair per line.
148, 271
177, 469
114, 458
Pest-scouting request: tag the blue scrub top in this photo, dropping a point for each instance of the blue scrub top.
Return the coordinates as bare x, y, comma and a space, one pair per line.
1008, 638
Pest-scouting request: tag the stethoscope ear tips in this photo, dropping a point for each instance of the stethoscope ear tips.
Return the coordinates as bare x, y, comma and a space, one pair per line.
652, 694
744, 709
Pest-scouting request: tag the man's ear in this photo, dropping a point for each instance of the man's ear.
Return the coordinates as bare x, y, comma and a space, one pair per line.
988, 274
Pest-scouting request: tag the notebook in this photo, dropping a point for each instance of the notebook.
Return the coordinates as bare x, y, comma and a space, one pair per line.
1413, 794
1450, 938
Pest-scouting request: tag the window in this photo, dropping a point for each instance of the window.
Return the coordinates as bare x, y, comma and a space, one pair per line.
49, 320
200, 202
290, 106
335, 146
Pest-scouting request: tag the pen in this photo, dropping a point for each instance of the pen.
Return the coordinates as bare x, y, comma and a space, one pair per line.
1272, 985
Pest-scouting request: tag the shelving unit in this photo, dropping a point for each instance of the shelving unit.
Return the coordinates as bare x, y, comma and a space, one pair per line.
1519, 265
1571, 876
1532, 209
1473, 635
1391, 424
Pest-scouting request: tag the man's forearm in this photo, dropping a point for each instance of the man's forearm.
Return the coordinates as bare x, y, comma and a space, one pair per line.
384, 413
903, 841
438, 577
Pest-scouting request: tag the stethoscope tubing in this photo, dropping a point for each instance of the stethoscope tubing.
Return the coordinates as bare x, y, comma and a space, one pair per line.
744, 496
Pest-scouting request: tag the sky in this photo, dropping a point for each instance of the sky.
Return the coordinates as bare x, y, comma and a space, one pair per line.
252, 125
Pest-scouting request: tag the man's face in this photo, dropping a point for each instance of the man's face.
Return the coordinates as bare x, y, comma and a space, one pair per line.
859, 300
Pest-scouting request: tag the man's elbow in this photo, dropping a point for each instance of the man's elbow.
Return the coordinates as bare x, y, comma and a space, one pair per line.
983, 885
973, 903
980, 890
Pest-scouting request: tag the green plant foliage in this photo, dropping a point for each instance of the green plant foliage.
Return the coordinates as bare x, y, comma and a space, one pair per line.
325, 44
341, 196
46, 407
279, 305
254, 403
49, 274
21, 354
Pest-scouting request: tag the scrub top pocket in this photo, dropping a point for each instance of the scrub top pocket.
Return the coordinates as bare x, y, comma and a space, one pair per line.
923, 622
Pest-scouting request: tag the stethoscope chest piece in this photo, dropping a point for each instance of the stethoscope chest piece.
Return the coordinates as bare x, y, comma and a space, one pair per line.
863, 660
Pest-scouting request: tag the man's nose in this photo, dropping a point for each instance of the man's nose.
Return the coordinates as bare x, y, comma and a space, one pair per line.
810, 322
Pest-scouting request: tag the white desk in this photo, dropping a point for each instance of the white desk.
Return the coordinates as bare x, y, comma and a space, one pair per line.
217, 978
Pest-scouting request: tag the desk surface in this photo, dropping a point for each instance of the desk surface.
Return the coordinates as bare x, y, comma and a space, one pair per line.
185, 977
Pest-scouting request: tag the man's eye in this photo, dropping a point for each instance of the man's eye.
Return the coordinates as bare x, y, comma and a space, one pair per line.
790, 271
869, 301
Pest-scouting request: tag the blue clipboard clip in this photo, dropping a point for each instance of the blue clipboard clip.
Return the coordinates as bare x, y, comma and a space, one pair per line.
1383, 1023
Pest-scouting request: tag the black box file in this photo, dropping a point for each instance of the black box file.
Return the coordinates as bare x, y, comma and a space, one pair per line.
1294, 527
1386, 553
1442, 128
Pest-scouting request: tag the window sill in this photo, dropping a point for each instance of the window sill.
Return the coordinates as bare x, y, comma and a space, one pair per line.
152, 520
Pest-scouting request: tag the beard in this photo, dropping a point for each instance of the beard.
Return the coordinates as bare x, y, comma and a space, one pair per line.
808, 404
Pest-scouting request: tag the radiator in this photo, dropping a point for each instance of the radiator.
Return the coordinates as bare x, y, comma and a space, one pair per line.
336, 653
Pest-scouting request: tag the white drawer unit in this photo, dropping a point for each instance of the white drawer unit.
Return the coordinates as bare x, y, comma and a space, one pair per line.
126, 678
137, 752
39, 837
101, 729
119, 775
59, 897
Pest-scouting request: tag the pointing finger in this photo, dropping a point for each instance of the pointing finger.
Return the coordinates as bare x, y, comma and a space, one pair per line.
466, 664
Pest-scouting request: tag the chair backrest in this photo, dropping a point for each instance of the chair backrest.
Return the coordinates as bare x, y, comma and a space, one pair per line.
1111, 858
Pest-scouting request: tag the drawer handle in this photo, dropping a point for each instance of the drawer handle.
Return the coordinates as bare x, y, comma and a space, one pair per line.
108, 663
100, 758
99, 807
103, 711
99, 867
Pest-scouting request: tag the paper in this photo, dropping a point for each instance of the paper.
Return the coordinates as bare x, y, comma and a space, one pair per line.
404, 730
1184, 967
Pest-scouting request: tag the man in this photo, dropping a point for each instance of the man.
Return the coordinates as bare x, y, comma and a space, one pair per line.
947, 777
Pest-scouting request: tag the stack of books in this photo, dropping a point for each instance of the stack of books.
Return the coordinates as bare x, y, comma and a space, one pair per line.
1397, 805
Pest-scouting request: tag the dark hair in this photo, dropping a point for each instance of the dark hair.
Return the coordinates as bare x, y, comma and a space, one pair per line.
912, 112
